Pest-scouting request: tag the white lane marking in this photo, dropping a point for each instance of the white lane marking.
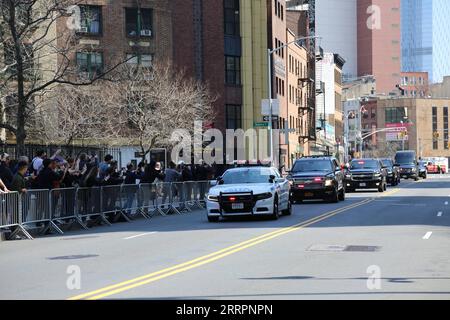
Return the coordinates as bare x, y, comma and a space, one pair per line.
439, 214
427, 235
139, 235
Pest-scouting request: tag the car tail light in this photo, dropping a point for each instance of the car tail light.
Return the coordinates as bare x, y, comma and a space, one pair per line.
232, 199
301, 186
317, 179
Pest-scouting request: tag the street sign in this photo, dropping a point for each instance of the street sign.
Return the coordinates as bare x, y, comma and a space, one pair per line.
267, 118
265, 107
261, 124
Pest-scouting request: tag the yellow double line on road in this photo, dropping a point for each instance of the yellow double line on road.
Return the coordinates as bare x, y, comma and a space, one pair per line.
179, 268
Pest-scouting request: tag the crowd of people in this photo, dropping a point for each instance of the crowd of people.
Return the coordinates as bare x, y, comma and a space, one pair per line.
57, 171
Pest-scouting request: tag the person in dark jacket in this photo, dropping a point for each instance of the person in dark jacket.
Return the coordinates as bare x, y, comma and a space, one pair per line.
130, 187
6, 174
48, 178
148, 186
19, 183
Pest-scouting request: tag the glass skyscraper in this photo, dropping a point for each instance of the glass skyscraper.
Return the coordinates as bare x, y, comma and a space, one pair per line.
426, 37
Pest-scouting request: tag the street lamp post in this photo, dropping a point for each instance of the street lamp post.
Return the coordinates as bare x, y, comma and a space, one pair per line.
269, 77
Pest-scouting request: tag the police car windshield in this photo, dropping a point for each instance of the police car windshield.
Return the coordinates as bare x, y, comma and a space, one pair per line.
312, 165
259, 175
364, 164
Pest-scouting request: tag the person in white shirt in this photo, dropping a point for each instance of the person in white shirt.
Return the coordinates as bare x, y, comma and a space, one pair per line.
37, 162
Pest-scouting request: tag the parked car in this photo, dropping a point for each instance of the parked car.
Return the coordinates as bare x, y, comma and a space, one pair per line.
249, 191
315, 178
408, 164
366, 174
393, 174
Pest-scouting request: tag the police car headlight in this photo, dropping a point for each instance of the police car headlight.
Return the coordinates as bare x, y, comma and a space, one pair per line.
213, 198
328, 182
414, 170
263, 196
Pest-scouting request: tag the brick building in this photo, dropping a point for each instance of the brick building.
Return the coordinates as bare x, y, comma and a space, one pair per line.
427, 122
415, 84
378, 39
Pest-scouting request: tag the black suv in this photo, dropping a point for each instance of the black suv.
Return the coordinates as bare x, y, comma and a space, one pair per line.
393, 173
315, 178
409, 166
366, 174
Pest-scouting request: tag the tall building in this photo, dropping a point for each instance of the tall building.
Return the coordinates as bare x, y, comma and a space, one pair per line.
207, 44
425, 37
329, 114
379, 52
336, 24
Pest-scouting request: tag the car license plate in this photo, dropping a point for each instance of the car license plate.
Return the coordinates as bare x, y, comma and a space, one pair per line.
363, 184
309, 194
237, 206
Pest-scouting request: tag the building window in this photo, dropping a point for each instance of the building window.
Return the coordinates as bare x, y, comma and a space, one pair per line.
144, 60
232, 21
395, 115
232, 70
373, 113
138, 22
90, 20
446, 146
234, 117
89, 64
435, 129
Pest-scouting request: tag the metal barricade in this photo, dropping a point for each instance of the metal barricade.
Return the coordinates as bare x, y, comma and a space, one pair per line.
129, 198
112, 206
192, 195
149, 196
178, 196
36, 210
164, 202
202, 191
89, 205
11, 214
63, 206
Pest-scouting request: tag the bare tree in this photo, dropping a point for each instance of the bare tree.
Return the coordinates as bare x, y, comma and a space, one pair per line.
77, 115
158, 101
39, 49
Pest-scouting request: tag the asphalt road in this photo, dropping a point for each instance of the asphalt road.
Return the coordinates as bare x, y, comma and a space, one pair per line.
393, 245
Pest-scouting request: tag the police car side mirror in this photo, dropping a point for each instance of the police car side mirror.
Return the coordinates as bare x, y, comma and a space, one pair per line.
272, 178
220, 181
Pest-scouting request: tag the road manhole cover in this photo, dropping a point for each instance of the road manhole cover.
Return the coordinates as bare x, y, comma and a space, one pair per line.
362, 248
80, 238
324, 247
74, 257
342, 248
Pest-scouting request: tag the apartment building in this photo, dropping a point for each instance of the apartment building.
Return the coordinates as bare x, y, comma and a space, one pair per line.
426, 120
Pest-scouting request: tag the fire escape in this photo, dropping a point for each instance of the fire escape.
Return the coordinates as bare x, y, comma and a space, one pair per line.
309, 132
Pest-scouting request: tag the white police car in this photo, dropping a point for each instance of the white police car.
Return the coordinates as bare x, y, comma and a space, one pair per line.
250, 191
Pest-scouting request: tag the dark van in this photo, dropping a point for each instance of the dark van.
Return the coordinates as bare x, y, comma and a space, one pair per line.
408, 164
